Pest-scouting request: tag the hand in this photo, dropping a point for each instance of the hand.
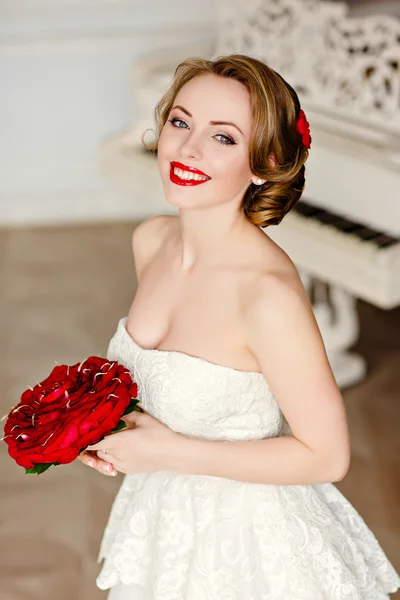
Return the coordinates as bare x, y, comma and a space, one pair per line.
92, 460
145, 447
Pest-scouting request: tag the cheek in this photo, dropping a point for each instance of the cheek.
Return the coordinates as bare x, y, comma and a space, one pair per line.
167, 148
233, 170
166, 144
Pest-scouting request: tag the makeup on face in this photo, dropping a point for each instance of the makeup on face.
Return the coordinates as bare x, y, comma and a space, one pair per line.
187, 175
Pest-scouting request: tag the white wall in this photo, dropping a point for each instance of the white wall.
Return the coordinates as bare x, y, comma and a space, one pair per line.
65, 85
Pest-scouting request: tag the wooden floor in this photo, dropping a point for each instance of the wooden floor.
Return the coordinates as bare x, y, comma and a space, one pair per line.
63, 291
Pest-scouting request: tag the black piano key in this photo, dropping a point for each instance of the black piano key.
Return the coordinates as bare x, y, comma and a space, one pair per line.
348, 227
306, 210
366, 233
325, 217
384, 241
344, 224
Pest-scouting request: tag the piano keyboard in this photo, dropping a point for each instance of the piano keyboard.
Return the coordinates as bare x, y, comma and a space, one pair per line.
345, 226
350, 255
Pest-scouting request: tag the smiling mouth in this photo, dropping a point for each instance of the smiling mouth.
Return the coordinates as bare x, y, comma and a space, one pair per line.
186, 176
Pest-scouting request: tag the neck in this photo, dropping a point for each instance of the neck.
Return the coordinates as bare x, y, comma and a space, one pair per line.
209, 235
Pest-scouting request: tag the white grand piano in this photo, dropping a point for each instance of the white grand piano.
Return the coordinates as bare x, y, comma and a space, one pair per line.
344, 235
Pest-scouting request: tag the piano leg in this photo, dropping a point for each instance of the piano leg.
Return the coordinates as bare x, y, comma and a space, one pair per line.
336, 314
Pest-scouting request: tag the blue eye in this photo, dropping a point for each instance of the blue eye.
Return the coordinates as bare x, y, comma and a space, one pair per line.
175, 120
229, 141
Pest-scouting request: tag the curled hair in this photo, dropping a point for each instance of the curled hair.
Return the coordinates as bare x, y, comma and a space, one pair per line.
276, 151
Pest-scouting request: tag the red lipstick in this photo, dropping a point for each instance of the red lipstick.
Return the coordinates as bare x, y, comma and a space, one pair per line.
175, 179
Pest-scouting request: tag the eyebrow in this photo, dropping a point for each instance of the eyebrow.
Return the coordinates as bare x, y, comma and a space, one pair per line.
211, 122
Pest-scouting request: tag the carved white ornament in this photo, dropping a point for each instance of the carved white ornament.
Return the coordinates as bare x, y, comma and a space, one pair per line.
333, 60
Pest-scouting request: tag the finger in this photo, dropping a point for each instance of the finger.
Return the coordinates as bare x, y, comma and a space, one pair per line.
105, 456
104, 467
133, 418
95, 447
92, 460
104, 443
130, 423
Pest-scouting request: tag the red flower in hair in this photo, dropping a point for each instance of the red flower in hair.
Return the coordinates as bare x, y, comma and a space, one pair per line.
303, 127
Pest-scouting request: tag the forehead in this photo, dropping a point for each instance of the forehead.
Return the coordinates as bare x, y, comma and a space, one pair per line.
213, 98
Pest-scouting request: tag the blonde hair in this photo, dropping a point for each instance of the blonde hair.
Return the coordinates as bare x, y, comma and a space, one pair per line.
275, 109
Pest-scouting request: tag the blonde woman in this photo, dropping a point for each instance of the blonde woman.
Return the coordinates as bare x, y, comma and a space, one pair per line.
221, 338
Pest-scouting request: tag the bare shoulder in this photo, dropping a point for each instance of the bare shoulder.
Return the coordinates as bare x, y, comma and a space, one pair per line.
281, 290
148, 237
274, 277
276, 297
274, 303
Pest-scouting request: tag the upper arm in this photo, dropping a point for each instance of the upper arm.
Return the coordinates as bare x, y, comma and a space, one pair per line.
147, 238
284, 336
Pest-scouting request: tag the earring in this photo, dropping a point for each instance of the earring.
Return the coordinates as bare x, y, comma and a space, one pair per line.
259, 181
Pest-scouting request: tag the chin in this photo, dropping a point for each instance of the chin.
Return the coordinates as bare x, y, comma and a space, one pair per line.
181, 201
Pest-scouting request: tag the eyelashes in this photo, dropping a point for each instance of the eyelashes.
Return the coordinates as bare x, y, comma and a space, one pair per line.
229, 142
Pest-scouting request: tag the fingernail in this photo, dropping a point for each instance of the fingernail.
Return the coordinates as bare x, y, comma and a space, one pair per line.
90, 463
107, 468
114, 473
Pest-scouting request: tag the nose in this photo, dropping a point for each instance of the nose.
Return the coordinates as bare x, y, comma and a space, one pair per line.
191, 147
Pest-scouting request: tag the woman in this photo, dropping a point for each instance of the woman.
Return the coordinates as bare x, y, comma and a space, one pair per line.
217, 504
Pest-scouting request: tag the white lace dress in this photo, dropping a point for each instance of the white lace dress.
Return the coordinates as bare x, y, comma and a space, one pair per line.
188, 537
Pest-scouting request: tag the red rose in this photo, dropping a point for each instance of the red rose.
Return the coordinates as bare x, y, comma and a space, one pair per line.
303, 127
76, 406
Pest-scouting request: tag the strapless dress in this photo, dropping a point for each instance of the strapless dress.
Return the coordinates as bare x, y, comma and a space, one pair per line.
172, 536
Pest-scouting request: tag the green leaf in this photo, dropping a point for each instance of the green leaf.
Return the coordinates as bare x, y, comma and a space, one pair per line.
132, 406
121, 425
41, 468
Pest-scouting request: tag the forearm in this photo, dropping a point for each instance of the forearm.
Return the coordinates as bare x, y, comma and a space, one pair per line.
277, 461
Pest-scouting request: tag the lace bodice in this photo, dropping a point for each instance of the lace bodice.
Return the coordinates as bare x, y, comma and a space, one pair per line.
196, 397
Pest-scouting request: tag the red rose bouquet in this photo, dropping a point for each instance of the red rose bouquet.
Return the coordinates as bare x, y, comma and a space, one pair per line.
75, 407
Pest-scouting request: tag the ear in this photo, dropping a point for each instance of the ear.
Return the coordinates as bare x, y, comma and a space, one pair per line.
272, 160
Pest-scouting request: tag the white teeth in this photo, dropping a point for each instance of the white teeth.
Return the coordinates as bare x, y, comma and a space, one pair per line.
187, 175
